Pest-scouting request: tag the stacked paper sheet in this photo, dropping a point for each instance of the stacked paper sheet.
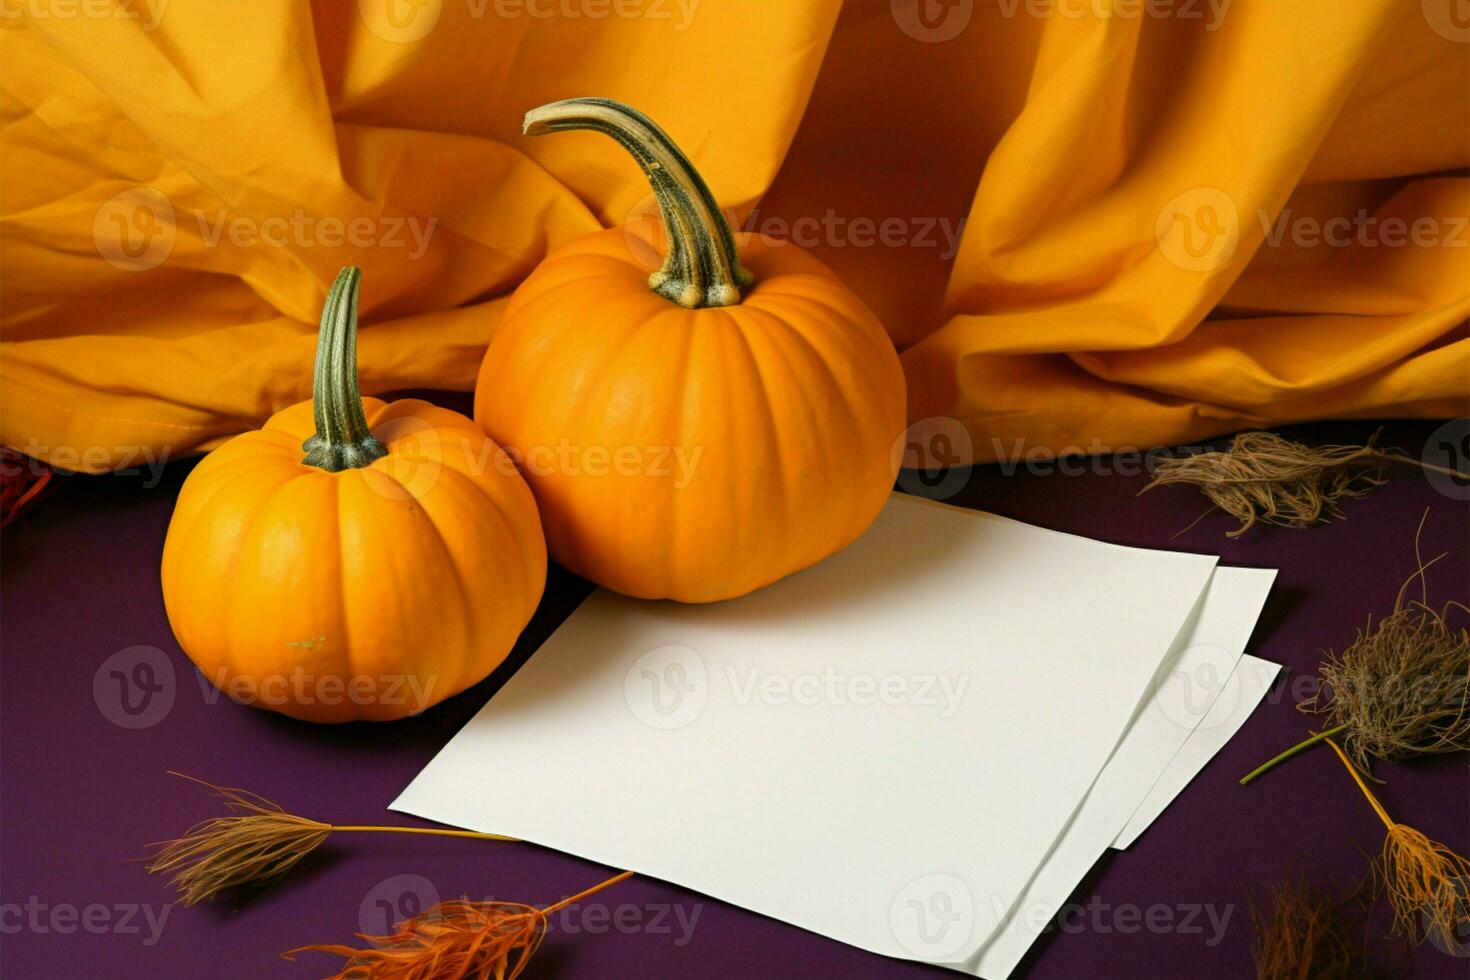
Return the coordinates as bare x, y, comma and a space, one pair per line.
918, 747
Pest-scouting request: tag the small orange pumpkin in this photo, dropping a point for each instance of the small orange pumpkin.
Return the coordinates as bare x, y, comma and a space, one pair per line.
391, 567
703, 431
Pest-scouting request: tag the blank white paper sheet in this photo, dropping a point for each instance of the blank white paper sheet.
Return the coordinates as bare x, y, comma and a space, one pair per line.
884, 748
1193, 679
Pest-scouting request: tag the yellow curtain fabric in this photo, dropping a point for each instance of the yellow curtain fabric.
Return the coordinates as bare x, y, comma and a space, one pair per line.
1088, 224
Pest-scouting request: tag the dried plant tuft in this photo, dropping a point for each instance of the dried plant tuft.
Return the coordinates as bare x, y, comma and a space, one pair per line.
1301, 934
1427, 884
1400, 689
22, 481
457, 940
257, 844
1425, 880
1267, 478
1264, 477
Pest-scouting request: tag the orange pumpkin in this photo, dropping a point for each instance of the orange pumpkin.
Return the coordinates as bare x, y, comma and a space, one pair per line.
703, 431
391, 567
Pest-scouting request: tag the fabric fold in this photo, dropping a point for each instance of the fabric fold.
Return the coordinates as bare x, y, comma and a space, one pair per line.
1083, 225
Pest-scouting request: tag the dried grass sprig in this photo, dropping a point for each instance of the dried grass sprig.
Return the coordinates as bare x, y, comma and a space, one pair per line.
1425, 880
457, 940
1401, 689
1301, 933
1267, 478
255, 845
22, 481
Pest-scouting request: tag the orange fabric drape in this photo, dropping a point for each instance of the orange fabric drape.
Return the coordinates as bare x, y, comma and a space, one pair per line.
1087, 224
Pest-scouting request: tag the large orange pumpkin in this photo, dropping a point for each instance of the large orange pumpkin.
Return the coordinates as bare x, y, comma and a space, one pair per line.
391, 567
703, 431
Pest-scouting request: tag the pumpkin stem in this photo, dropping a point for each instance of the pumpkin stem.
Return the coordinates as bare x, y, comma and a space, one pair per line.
342, 439
702, 267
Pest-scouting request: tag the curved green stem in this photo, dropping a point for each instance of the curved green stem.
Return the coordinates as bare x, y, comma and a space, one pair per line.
702, 267
342, 440
1299, 747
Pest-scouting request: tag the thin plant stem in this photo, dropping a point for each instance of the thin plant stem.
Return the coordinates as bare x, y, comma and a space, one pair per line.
1299, 747
1353, 771
585, 893
434, 831
1429, 467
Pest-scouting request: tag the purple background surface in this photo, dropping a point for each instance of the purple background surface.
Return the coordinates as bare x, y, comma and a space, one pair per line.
81, 796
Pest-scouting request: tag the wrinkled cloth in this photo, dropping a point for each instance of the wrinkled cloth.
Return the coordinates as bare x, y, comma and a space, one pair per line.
1088, 225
